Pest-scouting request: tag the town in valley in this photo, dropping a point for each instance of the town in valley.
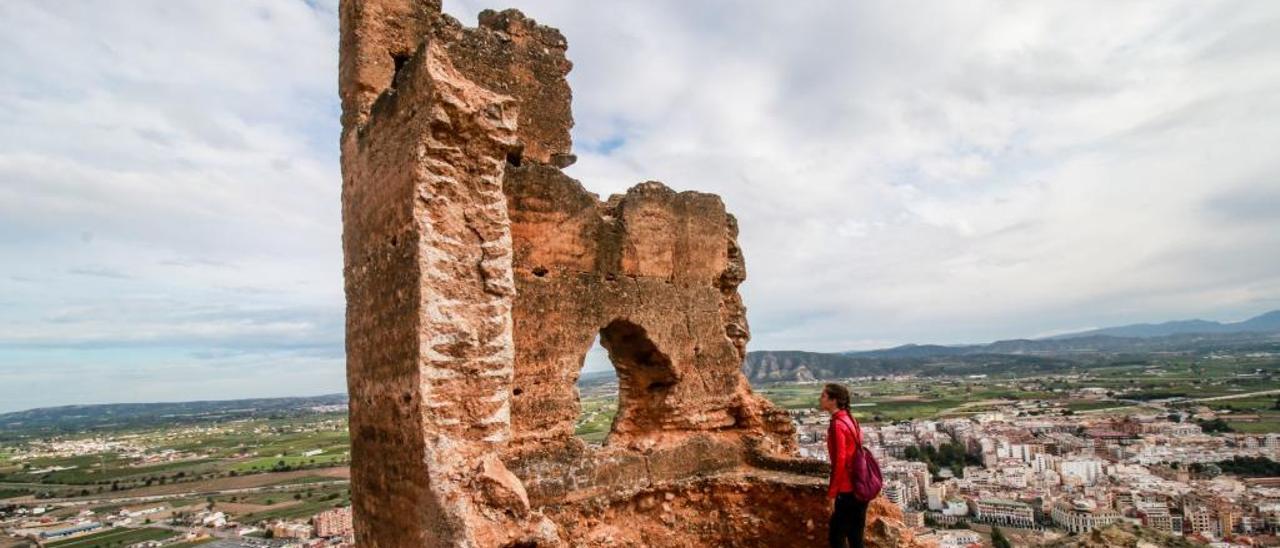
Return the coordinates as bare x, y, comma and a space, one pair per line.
1181, 445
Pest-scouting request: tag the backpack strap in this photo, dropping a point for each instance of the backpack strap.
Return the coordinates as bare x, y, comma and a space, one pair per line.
853, 427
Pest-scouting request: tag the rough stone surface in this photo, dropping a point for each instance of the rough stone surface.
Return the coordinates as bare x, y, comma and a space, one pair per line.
750, 509
477, 275
654, 274
427, 248
501, 488
507, 53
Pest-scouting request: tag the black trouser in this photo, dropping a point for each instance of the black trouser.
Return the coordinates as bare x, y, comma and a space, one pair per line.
847, 522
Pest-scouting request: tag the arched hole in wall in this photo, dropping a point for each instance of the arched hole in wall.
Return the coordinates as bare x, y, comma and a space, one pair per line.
597, 395
646, 378
624, 384
398, 61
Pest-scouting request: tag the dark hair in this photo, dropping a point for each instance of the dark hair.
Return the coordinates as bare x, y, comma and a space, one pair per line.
838, 393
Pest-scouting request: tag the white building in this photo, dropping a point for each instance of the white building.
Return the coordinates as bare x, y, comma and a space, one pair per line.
934, 496
958, 539
955, 508
1084, 471
1003, 512
1082, 516
896, 492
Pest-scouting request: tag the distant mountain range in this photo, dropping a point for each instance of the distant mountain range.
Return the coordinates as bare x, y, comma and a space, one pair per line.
1084, 344
1261, 333
1264, 323
795, 366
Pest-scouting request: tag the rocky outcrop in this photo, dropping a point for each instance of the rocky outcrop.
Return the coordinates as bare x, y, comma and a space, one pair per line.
477, 275
740, 509
1122, 535
767, 366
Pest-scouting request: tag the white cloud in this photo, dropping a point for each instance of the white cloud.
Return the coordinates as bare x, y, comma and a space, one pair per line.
995, 169
901, 171
168, 189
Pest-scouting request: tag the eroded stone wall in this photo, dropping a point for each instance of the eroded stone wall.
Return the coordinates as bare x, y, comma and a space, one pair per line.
477, 275
736, 509
429, 286
654, 273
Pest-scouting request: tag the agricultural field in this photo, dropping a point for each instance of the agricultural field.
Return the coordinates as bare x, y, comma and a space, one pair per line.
10, 492
319, 441
120, 536
129, 462
905, 399
292, 510
339, 456
596, 418
253, 470
298, 500
1117, 387
1179, 383
1253, 414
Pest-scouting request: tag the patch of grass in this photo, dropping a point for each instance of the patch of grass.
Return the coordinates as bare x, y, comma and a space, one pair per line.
912, 410
324, 493
305, 480
280, 463
596, 418
294, 444
6, 493
303, 509
1250, 404
792, 396
1265, 426
116, 471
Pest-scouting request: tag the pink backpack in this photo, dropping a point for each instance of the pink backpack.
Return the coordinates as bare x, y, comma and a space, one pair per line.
865, 471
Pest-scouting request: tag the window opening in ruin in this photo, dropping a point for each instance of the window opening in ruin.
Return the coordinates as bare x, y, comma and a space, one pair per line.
624, 384
514, 158
597, 395
398, 61
645, 377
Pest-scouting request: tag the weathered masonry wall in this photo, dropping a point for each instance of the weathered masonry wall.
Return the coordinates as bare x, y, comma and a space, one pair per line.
429, 293
427, 249
654, 273
477, 275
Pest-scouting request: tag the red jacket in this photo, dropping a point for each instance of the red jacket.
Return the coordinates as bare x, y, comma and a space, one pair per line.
844, 438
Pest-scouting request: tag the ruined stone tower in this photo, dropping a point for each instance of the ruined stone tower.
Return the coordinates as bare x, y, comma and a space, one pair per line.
478, 274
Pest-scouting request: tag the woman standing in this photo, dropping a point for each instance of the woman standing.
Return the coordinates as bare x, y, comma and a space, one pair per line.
844, 440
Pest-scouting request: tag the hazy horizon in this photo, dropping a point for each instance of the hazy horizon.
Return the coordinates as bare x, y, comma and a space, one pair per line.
595, 360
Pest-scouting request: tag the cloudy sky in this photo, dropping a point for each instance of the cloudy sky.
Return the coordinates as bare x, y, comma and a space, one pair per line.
938, 172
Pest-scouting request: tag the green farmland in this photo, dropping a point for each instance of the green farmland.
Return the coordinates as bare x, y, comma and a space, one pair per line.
120, 536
